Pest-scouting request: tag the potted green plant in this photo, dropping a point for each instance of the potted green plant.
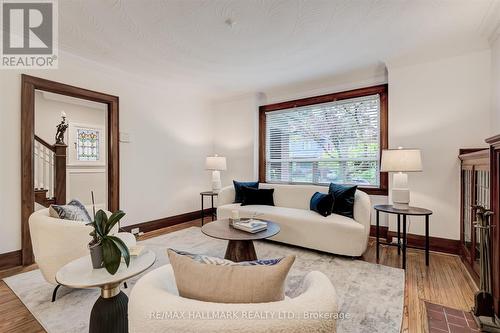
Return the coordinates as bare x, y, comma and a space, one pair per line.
106, 250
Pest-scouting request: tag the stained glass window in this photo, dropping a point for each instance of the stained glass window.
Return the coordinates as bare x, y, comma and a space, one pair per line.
87, 144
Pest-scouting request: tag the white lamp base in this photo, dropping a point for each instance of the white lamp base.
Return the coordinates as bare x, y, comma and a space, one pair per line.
400, 191
216, 183
401, 206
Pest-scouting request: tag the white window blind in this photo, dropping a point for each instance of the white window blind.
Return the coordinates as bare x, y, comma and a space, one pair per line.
322, 143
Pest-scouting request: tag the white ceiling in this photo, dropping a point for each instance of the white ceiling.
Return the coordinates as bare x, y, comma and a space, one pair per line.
272, 42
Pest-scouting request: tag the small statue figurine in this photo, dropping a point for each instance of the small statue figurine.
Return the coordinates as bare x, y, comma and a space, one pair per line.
61, 129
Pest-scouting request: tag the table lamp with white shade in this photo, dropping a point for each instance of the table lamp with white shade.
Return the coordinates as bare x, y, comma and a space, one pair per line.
401, 160
216, 164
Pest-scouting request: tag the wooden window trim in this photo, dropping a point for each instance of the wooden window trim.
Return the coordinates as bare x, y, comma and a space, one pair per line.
381, 90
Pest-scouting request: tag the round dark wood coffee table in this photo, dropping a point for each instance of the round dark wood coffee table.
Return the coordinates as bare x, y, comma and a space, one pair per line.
240, 243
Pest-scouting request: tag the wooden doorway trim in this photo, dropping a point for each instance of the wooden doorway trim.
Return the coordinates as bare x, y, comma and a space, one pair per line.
29, 85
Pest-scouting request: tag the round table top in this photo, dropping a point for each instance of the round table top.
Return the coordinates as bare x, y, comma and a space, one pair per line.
222, 230
80, 274
212, 193
410, 211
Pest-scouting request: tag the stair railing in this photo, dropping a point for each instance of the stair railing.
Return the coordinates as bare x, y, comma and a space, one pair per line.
50, 169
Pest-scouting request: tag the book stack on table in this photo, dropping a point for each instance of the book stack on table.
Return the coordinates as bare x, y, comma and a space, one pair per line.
250, 225
134, 251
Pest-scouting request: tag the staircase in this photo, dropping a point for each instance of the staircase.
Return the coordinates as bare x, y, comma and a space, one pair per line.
50, 172
42, 198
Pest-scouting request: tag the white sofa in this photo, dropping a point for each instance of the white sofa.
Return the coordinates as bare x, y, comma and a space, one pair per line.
302, 227
56, 242
156, 307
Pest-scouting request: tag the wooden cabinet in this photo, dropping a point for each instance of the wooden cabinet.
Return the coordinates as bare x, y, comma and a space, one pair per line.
475, 190
494, 143
480, 184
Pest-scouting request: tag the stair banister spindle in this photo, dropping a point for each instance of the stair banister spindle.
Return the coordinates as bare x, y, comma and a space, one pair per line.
41, 168
35, 150
38, 170
51, 174
45, 168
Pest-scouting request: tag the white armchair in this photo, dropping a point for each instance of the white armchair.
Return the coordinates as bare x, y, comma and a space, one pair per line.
56, 242
156, 307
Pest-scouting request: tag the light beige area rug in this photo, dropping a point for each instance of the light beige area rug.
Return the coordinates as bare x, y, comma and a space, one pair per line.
372, 295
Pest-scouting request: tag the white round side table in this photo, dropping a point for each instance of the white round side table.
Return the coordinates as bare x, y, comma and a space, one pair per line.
109, 313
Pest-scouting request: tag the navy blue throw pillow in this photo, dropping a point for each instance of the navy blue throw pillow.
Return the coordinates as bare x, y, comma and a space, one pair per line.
343, 199
322, 203
252, 196
238, 197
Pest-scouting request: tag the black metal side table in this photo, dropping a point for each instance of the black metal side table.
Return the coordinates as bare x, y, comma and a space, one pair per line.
210, 194
412, 211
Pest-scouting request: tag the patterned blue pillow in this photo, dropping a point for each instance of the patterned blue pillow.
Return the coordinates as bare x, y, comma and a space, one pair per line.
204, 259
74, 211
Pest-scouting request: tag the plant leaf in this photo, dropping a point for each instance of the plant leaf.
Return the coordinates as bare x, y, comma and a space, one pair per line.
101, 219
123, 248
111, 255
95, 231
114, 219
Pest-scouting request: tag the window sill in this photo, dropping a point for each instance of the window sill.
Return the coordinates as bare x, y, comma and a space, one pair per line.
374, 190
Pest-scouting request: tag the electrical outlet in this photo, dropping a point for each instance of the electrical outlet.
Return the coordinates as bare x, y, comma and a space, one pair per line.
135, 231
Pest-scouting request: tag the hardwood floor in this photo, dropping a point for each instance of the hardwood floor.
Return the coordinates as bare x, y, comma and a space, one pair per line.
14, 316
444, 282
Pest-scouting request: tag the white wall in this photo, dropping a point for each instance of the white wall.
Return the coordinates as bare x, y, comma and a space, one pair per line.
161, 170
235, 128
364, 77
440, 107
495, 85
